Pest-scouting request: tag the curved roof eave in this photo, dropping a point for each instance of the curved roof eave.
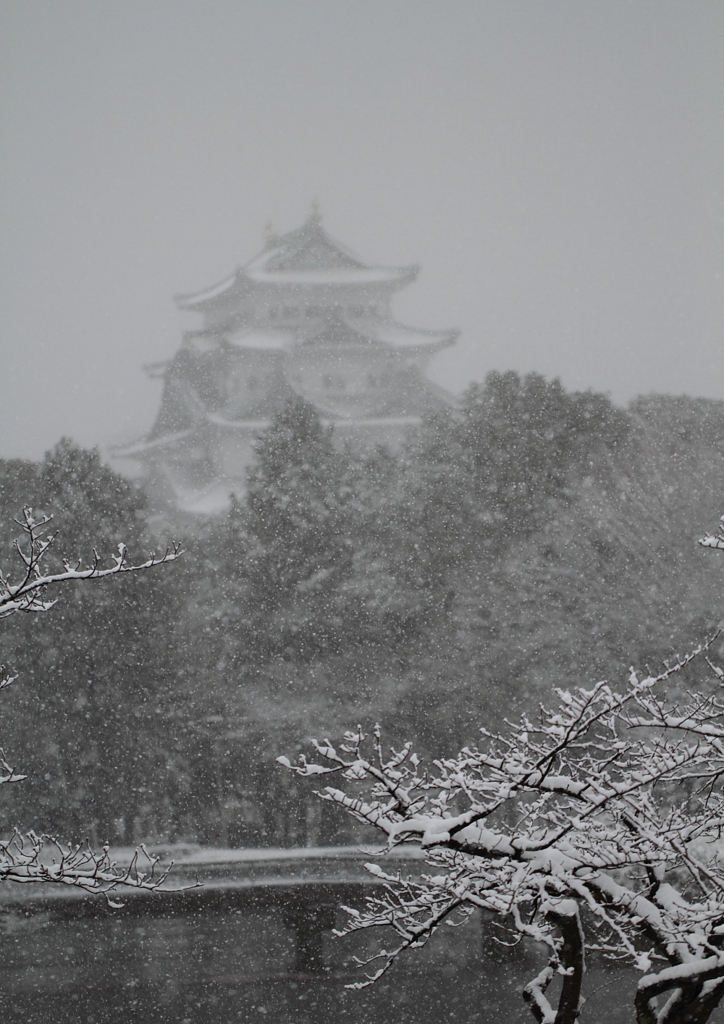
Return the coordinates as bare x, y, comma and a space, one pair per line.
390, 335
208, 295
146, 445
412, 339
262, 339
336, 278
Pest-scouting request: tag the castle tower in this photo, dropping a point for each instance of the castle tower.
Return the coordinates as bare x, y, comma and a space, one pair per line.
305, 317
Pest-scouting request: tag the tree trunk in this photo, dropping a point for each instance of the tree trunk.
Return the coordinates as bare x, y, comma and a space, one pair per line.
571, 956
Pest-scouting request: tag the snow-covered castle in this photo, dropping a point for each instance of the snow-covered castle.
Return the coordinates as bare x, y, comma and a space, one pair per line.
305, 317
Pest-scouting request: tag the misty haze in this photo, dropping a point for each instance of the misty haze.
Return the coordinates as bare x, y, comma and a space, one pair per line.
361, 497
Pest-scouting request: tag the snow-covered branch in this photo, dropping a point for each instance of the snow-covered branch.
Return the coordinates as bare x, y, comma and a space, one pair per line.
715, 540
607, 802
33, 858
29, 594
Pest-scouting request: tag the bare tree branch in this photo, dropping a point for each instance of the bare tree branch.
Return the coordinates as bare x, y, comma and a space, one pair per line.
33, 858
29, 595
617, 810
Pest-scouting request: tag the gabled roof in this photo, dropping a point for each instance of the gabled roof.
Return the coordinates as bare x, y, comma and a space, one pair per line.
334, 329
307, 256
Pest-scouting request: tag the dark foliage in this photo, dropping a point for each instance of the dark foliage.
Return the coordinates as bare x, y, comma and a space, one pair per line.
533, 538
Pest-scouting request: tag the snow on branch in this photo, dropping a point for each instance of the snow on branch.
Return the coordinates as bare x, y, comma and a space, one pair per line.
8, 774
608, 801
33, 858
29, 594
714, 540
40, 858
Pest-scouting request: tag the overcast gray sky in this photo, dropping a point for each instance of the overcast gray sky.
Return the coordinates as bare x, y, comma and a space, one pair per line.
555, 166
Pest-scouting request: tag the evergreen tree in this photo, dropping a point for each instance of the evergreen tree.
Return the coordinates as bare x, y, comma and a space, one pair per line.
504, 465
297, 502
524, 439
298, 524
96, 706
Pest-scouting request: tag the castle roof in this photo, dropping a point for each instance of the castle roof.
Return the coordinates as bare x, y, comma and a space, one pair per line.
306, 317
337, 329
307, 256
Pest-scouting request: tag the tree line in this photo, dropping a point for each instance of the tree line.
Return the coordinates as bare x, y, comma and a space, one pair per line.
528, 538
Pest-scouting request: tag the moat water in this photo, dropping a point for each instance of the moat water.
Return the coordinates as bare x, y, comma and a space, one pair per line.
228, 964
